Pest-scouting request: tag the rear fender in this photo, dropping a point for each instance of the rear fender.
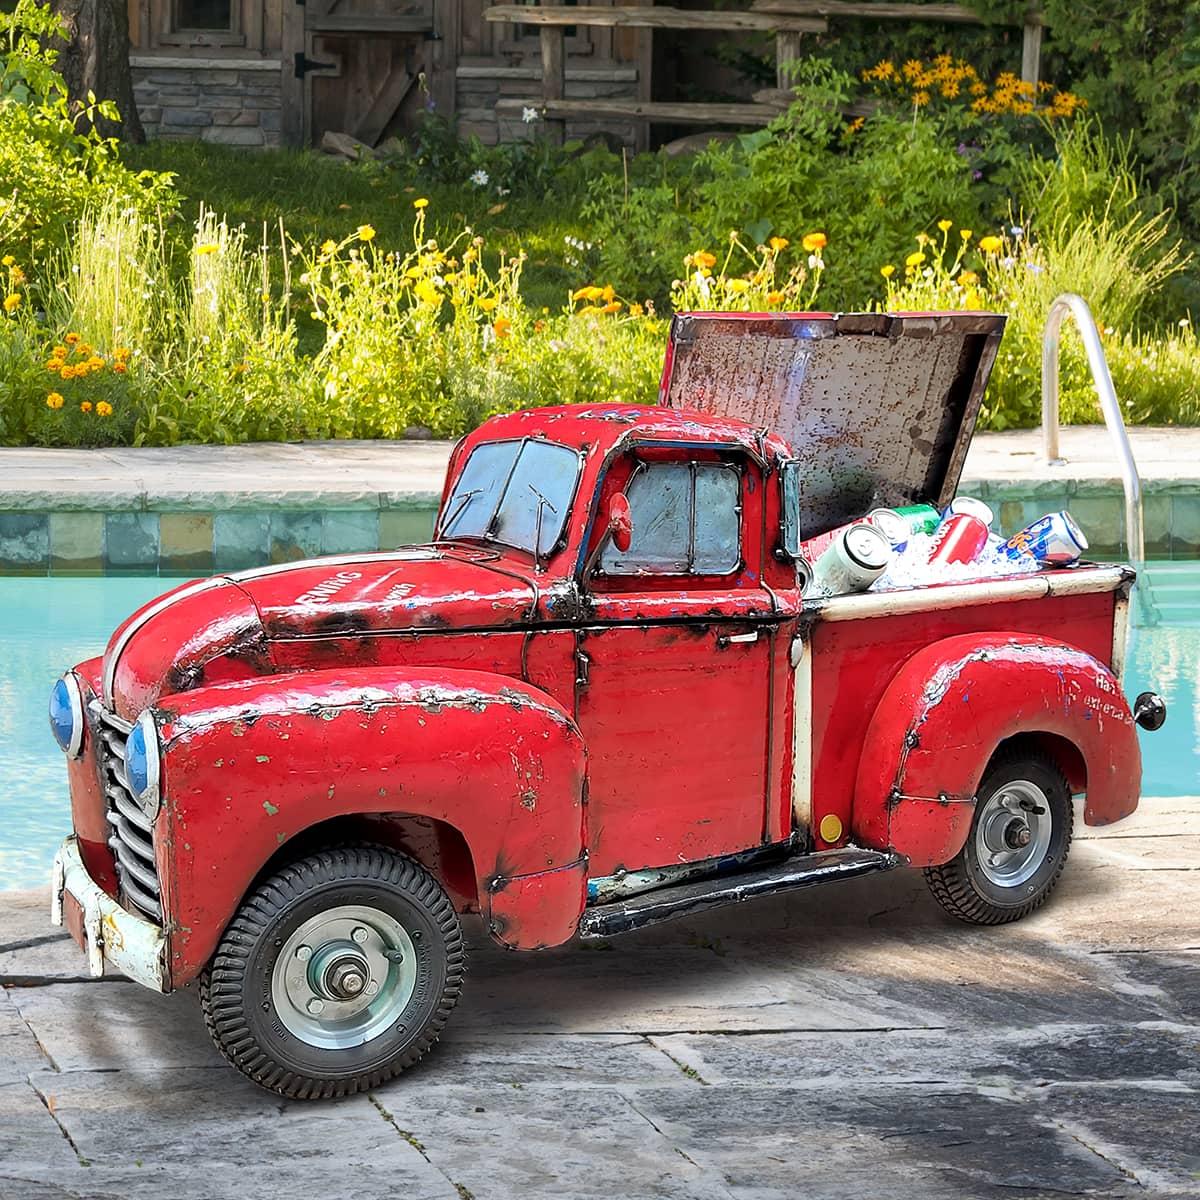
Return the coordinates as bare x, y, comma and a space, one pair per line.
948, 709
249, 765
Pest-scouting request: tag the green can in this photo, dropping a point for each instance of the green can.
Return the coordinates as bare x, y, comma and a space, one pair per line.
921, 518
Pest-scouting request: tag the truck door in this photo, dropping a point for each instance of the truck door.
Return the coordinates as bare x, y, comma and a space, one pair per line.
674, 701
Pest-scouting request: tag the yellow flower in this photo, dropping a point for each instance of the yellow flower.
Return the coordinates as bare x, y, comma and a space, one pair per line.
16, 276
944, 226
104, 409
59, 352
607, 293
612, 306
888, 271
86, 406
96, 363
426, 292
965, 234
422, 203
487, 303
737, 285
774, 297
54, 400
208, 248
921, 98
777, 244
702, 258
812, 242
365, 233
120, 368
991, 244
915, 259
7, 260
83, 349
71, 339
12, 302
121, 353
636, 310
502, 328
328, 246
968, 278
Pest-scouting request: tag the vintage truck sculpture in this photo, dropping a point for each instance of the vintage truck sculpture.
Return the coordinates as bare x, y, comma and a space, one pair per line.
596, 700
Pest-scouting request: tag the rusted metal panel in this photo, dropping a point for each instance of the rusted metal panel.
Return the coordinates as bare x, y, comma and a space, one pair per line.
880, 408
249, 765
953, 703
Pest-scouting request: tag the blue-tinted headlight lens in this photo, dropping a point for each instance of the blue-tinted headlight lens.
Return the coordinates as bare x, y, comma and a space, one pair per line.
142, 762
66, 714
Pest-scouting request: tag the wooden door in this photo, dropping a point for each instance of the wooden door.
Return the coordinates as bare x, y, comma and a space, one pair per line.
352, 66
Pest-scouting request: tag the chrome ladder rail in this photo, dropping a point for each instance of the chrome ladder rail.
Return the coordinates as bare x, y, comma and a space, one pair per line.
1077, 307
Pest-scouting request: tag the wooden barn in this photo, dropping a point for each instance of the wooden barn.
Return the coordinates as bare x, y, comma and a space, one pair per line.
286, 72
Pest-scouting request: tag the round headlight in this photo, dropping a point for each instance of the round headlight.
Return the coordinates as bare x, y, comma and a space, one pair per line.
66, 714
142, 762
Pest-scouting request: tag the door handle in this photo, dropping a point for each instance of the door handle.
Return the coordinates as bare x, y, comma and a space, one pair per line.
736, 639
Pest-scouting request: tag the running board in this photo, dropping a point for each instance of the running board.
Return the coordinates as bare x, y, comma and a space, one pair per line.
697, 895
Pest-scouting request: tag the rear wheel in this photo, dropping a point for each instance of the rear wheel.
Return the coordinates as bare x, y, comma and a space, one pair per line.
336, 974
1017, 847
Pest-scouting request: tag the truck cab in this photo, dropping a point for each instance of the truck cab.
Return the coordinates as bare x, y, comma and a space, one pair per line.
597, 699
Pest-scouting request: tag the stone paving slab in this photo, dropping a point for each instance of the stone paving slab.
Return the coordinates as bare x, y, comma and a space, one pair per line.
381, 474
839, 1043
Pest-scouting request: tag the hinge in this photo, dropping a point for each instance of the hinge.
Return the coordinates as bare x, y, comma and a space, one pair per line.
583, 666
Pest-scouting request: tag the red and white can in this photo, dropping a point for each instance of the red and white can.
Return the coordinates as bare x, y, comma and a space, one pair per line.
960, 538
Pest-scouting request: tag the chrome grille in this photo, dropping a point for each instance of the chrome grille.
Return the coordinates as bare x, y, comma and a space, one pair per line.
132, 839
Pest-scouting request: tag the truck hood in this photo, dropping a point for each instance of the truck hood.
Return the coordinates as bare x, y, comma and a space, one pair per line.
222, 628
878, 407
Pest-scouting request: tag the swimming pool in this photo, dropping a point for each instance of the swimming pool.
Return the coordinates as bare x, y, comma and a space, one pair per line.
52, 623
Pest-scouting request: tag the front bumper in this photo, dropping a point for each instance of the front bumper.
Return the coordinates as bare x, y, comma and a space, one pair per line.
132, 945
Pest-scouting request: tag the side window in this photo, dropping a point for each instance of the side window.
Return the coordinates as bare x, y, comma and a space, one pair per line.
686, 520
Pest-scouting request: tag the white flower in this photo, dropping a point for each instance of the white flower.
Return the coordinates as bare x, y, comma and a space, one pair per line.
480, 178
1184, 322
529, 115
815, 262
1017, 232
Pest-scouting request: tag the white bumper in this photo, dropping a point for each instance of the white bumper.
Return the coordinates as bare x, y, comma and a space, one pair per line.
132, 945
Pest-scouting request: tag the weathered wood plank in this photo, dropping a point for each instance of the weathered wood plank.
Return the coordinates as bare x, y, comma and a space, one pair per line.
639, 110
384, 107
351, 22
885, 10
787, 50
1031, 54
553, 77
651, 18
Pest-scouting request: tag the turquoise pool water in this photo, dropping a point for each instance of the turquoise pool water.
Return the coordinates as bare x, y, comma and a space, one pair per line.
51, 623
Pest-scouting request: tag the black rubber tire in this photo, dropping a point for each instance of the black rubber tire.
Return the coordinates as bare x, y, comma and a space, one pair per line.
962, 889
235, 988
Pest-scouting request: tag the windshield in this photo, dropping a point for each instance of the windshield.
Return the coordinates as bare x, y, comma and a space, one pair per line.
518, 493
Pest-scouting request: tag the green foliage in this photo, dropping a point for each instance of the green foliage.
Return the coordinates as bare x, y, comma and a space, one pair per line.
53, 162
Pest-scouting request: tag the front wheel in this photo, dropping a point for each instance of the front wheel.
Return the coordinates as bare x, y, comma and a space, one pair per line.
335, 974
1017, 846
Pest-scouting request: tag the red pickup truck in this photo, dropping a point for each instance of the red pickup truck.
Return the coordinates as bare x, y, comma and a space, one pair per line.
596, 700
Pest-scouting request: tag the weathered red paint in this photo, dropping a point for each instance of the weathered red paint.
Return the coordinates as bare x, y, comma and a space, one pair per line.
249, 765
953, 704
522, 726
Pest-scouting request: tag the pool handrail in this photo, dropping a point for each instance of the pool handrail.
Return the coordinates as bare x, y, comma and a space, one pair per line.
1077, 307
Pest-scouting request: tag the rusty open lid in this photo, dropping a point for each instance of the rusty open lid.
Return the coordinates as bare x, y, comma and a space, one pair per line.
878, 407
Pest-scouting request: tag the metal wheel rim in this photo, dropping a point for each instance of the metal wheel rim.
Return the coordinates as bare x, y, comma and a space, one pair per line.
1007, 816
311, 985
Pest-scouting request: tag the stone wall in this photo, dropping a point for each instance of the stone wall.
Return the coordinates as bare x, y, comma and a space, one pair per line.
235, 102
480, 86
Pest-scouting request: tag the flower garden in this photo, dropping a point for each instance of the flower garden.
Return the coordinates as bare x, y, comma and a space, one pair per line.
158, 295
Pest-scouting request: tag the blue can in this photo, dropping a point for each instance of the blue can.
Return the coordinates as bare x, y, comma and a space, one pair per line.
1054, 540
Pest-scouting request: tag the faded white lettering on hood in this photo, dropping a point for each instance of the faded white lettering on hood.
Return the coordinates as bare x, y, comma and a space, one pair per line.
328, 588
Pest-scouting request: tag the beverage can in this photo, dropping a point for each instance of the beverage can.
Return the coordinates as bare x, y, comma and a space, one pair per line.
960, 538
857, 557
1055, 540
812, 548
892, 525
921, 518
972, 507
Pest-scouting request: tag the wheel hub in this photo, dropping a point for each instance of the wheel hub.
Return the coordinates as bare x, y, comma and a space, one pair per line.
1012, 834
344, 977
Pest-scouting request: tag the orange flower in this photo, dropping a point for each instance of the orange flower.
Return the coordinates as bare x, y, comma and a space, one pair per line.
104, 409
814, 241
71, 339
774, 297
777, 244
54, 400
86, 406
120, 368
702, 258
612, 306
502, 327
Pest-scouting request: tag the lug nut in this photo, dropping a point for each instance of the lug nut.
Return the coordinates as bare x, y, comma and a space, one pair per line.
316, 1006
304, 953
359, 935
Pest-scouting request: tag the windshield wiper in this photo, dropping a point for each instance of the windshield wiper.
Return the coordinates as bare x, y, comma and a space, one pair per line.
542, 502
464, 500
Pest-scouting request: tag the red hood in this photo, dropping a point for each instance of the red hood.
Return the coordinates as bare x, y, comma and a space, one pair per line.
222, 628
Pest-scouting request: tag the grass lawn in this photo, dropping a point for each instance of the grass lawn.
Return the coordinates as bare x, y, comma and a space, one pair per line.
320, 197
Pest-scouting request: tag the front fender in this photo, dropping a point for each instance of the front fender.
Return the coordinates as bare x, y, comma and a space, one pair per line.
250, 764
941, 719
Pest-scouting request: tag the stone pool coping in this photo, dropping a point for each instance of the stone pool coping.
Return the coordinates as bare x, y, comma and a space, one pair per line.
202, 508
